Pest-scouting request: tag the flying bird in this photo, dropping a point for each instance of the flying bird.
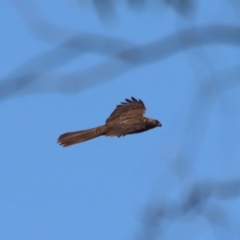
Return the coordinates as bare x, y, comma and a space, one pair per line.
127, 118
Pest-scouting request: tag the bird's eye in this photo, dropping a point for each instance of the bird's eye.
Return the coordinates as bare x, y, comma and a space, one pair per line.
156, 121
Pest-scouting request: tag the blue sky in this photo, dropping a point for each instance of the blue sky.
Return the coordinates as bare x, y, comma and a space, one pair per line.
78, 67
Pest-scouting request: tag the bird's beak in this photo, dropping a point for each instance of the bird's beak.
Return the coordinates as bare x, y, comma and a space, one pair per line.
159, 125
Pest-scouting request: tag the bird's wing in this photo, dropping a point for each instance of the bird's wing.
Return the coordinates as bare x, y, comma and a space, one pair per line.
132, 127
129, 108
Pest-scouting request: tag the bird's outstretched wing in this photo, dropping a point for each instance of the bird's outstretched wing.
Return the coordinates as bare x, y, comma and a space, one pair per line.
131, 108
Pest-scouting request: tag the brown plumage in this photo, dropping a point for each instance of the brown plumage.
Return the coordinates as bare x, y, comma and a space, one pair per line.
127, 118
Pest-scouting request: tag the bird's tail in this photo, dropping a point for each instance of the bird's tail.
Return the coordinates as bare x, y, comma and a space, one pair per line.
71, 138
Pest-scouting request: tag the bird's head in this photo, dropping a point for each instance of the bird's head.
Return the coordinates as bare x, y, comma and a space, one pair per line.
152, 123
157, 123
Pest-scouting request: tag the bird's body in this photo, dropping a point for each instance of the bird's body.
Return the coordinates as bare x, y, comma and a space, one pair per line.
127, 118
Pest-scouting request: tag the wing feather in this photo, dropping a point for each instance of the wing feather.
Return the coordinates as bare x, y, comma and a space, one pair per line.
132, 107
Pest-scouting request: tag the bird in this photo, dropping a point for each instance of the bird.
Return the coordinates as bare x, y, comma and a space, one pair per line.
127, 118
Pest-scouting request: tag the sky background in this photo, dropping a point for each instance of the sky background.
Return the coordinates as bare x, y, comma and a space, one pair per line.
65, 65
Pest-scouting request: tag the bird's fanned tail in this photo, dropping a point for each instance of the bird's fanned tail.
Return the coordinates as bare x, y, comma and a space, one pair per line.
71, 138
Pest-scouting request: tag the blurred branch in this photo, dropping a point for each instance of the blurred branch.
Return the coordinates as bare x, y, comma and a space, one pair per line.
183, 7
136, 4
124, 57
38, 26
196, 202
105, 9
